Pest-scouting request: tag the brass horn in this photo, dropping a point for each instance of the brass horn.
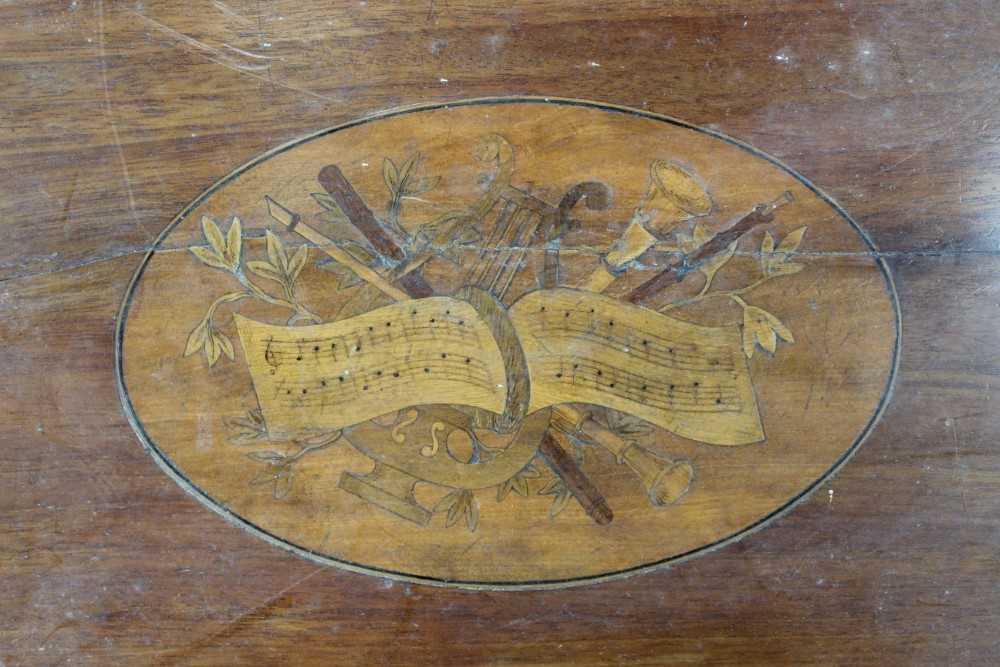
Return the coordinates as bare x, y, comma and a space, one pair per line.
666, 480
674, 195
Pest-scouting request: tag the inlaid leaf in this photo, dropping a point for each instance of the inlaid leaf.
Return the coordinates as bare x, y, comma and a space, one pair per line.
209, 256
767, 339
331, 210
791, 242
265, 270
786, 269
325, 200
212, 350
701, 234
454, 512
234, 242
447, 501
297, 262
779, 328
518, 483
762, 328
283, 483
716, 262
246, 433
267, 456
406, 169
559, 504
265, 476
390, 174
504, 489
560, 494
213, 235
226, 345
276, 252
774, 261
472, 513
196, 340
767, 244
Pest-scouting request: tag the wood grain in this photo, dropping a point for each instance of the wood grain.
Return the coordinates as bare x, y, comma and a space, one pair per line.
116, 115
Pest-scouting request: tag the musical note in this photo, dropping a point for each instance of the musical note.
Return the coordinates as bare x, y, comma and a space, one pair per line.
269, 356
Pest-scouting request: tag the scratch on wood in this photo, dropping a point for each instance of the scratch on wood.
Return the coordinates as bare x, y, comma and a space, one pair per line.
258, 612
221, 58
229, 11
111, 119
216, 55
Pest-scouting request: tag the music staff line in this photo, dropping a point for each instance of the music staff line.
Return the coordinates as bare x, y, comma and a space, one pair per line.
347, 386
665, 356
684, 397
594, 322
349, 345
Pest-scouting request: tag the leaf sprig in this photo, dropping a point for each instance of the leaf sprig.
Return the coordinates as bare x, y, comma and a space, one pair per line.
249, 429
518, 483
774, 260
762, 328
560, 495
459, 504
225, 252
404, 181
279, 472
279, 267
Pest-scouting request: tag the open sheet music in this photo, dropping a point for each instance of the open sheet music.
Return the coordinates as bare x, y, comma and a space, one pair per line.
579, 347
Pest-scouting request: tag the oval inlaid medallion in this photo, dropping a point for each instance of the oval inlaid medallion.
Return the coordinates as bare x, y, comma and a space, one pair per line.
502, 343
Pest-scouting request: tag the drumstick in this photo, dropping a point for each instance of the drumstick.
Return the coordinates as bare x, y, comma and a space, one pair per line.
359, 215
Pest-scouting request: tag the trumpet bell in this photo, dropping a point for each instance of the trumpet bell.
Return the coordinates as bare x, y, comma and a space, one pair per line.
666, 481
675, 194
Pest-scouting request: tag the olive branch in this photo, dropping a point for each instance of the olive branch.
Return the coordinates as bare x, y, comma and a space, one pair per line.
280, 467
404, 181
225, 252
279, 472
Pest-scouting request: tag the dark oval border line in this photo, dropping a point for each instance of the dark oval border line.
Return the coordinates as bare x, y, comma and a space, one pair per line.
220, 508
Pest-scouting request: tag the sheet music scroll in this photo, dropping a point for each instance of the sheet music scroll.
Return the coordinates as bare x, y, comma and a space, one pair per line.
580, 348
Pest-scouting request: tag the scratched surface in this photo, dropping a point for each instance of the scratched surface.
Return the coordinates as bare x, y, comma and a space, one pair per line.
116, 115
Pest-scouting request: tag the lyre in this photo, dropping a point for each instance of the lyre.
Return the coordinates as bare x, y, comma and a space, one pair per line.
512, 221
